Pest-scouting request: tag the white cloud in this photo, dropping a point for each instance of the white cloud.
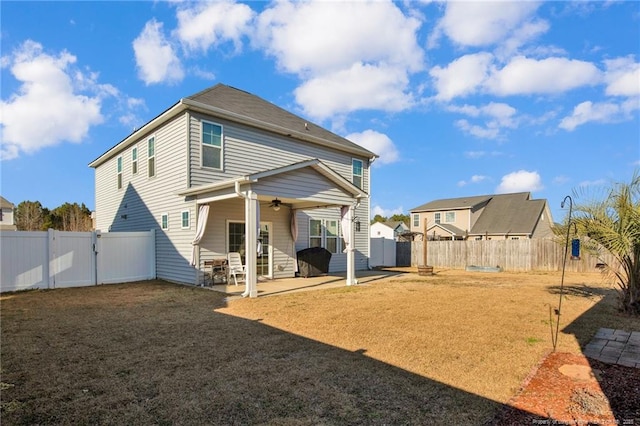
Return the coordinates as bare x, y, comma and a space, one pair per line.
208, 24
378, 143
525, 76
479, 23
359, 87
474, 179
344, 66
462, 76
500, 116
155, 57
520, 181
622, 77
51, 95
600, 112
321, 37
375, 210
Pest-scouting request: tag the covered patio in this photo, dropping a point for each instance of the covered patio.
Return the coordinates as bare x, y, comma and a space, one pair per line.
299, 284
273, 200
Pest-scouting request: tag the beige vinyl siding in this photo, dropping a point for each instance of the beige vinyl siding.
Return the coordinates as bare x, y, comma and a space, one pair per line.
247, 150
173, 247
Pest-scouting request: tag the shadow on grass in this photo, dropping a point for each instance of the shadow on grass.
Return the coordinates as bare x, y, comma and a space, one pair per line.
157, 353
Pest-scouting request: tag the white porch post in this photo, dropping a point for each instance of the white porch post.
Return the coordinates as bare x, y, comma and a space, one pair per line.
250, 243
351, 257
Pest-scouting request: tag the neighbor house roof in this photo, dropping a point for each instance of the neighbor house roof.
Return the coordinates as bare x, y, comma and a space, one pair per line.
503, 214
393, 224
452, 203
5, 204
242, 107
453, 230
509, 214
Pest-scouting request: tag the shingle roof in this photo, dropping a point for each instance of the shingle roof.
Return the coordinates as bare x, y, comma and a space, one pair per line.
453, 230
5, 204
503, 214
509, 214
453, 203
251, 106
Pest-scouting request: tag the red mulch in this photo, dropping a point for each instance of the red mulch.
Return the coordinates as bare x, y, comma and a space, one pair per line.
568, 389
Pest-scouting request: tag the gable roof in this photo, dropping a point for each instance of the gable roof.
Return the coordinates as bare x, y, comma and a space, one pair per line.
453, 230
503, 214
509, 214
314, 164
453, 203
5, 204
242, 107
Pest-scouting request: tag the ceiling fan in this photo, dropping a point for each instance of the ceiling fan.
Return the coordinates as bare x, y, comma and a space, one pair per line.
275, 204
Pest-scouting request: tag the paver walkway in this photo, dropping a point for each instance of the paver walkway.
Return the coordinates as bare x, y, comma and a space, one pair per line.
615, 347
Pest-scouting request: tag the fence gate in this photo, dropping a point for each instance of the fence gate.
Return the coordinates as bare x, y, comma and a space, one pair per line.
56, 259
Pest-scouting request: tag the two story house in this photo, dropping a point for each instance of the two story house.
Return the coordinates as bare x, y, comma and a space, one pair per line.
484, 217
392, 230
226, 171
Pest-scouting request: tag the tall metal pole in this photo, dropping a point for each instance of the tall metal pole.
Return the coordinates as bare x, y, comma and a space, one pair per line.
564, 263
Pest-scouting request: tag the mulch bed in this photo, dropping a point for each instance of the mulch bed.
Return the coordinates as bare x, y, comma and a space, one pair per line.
569, 389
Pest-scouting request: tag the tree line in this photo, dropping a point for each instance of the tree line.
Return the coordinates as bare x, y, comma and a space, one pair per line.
32, 216
395, 218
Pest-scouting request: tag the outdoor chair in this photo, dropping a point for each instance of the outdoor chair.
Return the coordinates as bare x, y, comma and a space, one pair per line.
235, 267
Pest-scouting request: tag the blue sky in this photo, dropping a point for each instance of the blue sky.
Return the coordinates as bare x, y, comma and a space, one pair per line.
457, 98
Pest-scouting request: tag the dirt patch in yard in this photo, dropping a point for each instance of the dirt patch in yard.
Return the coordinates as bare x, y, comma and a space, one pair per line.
452, 348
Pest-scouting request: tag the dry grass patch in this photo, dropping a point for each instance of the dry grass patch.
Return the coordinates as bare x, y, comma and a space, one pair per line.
407, 350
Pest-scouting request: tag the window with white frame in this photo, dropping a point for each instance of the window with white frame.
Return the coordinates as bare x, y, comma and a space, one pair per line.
151, 157
356, 172
185, 220
325, 233
450, 217
164, 221
119, 165
211, 137
416, 220
134, 160
315, 233
331, 235
436, 217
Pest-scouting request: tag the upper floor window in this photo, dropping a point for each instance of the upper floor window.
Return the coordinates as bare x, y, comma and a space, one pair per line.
134, 160
356, 172
436, 217
164, 221
416, 220
185, 219
211, 145
119, 161
450, 217
151, 154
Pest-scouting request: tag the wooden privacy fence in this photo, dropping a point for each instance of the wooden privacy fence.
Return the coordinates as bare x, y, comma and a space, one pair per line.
56, 259
510, 255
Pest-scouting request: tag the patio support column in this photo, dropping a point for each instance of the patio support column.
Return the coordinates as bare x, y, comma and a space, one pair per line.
351, 263
251, 243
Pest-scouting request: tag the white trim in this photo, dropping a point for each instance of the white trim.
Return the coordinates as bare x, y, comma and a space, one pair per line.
361, 187
162, 215
155, 163
221, 168
134, 161
188, 212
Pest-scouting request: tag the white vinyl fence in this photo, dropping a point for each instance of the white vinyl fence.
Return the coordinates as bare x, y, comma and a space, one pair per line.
56, 259
383, 252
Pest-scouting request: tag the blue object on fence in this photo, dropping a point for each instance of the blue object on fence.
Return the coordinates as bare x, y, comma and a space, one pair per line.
575, 248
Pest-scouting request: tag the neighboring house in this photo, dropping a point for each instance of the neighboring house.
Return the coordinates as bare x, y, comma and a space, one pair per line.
484, 217
391, 230
222, 158
6, 215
